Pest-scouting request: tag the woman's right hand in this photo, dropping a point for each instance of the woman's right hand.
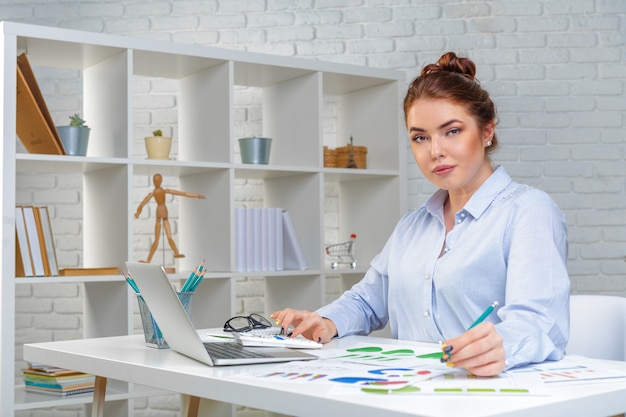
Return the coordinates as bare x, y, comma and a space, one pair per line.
308, 324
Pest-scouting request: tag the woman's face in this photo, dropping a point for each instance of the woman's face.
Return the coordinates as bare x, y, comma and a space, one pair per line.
448, 145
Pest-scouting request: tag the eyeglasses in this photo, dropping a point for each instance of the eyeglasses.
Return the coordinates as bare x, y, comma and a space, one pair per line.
246, 323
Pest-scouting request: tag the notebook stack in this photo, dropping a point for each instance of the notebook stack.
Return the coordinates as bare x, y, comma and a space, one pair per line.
58, 381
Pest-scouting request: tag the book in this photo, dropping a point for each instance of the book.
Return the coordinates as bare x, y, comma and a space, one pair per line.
67, 380
264, 242
42, 242
61, 393
58, 381
34, 125
278, 249
240, 239
33, 241
269, 240
42, 368
249, 240
259, 239
74, 272
50, 372
19, 264
293, 257
22, 249
46, 226
35, 254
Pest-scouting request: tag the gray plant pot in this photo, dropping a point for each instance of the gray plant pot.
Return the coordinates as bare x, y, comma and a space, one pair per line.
75, 139
255, 150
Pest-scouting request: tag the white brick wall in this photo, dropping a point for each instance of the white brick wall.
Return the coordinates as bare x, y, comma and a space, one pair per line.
556, 70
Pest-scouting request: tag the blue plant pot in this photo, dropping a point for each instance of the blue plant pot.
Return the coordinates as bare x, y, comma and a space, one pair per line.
75, 139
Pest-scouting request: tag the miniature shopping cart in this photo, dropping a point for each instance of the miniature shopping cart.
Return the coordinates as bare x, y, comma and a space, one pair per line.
343, 253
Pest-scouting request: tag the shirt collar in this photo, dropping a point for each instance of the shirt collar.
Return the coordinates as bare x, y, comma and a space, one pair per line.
482, 198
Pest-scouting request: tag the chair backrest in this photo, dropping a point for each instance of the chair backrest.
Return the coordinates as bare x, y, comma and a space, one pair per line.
598, 326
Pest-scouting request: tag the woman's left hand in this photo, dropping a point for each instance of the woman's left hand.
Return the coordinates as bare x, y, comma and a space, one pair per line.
479, 350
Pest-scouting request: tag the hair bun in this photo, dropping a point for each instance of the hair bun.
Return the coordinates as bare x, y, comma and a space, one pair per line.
450, 62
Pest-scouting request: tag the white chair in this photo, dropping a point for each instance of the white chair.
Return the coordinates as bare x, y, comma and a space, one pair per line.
597, 326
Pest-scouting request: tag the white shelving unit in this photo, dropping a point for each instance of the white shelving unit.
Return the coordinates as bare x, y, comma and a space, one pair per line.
293, 93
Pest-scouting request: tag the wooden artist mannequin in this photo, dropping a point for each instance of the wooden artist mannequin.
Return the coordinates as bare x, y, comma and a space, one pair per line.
159, 195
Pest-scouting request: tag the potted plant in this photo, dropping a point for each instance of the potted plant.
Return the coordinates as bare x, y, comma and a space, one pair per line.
255, 150
158, 146
75, 137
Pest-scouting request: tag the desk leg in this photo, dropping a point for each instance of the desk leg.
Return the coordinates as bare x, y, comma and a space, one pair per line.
192, 404
97, 408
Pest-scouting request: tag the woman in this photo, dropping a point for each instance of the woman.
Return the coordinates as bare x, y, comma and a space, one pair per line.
480, 238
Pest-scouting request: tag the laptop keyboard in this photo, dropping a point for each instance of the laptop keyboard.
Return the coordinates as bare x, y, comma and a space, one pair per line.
229, 350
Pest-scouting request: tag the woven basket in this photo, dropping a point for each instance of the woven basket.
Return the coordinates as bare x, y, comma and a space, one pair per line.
330, 157
360, 156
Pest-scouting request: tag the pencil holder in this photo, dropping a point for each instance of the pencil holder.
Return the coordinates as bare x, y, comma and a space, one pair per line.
151, 331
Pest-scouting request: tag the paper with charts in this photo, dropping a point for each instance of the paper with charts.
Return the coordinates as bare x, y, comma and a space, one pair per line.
391, 369
572, 369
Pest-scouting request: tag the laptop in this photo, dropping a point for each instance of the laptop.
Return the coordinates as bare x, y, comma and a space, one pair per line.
182, 337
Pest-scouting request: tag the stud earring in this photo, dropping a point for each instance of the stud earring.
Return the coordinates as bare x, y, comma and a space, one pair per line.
488, 143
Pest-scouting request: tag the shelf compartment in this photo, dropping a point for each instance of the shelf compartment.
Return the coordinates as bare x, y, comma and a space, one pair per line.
301, 195
370, 117
106, 105
288, 112
360, 206
292, 118
104, 203
204, 224
64, 52
256, 74
201, 128
106, 198
204, 115
110, 300
200, 227
104, 74
170, 65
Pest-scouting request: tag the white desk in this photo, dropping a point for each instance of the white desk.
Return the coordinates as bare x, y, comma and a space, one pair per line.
126, 358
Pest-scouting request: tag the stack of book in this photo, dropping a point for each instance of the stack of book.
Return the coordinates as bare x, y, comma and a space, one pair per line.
266, 240
58, 381
35, 255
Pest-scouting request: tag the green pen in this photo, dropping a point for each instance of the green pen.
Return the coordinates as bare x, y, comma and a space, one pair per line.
484, 315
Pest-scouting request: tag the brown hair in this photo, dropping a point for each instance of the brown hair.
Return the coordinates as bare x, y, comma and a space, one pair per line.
452, 78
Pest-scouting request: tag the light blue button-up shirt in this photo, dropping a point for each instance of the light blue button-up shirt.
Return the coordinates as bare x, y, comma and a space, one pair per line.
508, 244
